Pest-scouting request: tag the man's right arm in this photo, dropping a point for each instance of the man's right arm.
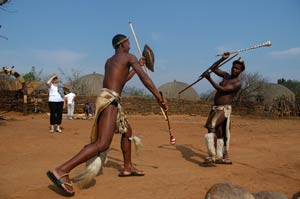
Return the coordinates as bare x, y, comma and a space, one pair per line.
148, 82
215, 66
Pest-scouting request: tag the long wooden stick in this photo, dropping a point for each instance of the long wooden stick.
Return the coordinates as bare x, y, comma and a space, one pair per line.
172, 137
138, 46
268, 43
208, 70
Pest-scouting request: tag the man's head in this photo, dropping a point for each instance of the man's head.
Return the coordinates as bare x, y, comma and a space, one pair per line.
118, 40
240, 62
238, 66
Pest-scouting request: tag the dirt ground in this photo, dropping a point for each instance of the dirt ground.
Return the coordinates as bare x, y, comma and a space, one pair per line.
265, 155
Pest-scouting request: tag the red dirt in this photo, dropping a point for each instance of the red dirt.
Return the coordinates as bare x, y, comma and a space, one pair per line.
265, 155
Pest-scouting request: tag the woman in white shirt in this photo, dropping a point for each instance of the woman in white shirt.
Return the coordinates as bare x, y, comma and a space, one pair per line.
56, 103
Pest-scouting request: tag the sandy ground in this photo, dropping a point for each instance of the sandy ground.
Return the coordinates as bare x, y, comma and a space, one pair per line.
265, 154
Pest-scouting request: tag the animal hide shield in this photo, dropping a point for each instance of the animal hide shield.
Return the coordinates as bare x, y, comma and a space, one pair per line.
149, 57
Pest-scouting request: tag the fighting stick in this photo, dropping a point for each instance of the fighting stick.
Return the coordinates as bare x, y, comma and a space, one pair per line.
172, 138
137, 45
207, 70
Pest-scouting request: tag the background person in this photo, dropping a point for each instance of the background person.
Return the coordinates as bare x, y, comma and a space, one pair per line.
56, 103
70, 101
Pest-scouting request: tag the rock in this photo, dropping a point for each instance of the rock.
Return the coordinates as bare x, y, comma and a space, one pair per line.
269, 195
228, 191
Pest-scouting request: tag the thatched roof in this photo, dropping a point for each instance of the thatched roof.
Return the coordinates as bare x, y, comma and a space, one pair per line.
10, 84
272, 91
171, 89
89, 85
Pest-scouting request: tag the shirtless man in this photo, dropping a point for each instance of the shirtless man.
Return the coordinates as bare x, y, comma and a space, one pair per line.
218, 122
111, 120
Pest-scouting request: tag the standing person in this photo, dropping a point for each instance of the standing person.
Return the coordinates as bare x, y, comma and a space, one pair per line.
218, 122
56, 103
110, 117
70, 100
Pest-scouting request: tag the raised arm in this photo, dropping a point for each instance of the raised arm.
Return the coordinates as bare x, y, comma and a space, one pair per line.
147, 81
51, 78
215, 66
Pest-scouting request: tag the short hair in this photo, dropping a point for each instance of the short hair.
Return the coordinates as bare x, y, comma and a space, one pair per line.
118, 39
240, 62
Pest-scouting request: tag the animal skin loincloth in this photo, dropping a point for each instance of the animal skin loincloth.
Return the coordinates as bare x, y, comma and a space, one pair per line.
105, 98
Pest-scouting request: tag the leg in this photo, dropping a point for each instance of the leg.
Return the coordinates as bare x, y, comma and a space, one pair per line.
106, 128
212, 138
59, 112
72, 110
126, 150
222, 153
69, 110
52, 116
52, 112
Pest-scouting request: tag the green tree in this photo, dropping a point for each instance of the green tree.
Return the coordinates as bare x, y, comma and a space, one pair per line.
293, 85
33, 76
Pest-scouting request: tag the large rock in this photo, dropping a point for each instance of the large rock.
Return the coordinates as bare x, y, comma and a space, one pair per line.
228, 191
269, 195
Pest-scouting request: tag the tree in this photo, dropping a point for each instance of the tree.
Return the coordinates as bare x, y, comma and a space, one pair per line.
251, 84
71, 78
293, 85
33, 76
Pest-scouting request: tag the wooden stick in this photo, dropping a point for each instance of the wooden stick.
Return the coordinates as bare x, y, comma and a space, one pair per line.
138, 46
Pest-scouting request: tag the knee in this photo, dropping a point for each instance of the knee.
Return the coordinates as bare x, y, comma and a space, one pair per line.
211, 129
102, 146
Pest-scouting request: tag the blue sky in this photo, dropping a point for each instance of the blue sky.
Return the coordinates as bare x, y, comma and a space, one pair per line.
185, 36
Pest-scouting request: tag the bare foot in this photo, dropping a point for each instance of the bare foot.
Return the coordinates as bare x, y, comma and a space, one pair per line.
132, 172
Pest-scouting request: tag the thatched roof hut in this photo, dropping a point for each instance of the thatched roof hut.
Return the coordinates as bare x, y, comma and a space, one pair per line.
171, 89
271, 91
89, 85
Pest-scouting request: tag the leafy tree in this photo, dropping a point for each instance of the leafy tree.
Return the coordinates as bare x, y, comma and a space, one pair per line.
33, 75
293, 85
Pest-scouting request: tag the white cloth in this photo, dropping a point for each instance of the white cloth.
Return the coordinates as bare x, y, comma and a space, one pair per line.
54, 95
71, 110
70, 98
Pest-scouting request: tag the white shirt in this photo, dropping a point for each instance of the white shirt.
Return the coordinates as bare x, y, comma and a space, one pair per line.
70, 98
54, 95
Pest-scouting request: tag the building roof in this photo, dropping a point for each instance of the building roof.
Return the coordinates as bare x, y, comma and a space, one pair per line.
171, 89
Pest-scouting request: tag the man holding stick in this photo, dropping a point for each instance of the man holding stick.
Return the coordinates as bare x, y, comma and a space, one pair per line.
218, 122
110, 118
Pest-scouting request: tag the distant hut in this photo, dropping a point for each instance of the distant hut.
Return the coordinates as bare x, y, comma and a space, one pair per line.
89, 85
271, 91
171, 89
277, 99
